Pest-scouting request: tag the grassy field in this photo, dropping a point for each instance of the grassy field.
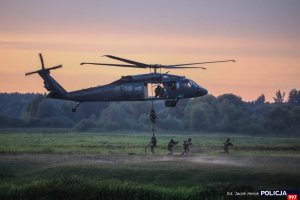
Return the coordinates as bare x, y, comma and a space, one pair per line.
104, 166
124, 143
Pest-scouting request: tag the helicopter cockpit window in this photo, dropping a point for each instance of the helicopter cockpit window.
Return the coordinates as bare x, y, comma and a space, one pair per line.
193, 83
186, 84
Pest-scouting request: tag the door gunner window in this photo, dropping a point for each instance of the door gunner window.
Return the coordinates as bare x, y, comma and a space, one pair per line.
172, 85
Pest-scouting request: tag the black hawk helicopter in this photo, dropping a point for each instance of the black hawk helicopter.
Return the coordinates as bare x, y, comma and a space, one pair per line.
170, 88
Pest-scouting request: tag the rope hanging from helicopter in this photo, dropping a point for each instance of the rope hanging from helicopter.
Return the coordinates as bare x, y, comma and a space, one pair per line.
152, 143
153, 115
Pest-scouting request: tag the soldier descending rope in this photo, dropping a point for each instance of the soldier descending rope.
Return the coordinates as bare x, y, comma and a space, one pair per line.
152, 143
153, 119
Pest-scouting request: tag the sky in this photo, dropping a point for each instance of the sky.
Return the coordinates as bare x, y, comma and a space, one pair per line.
262, 36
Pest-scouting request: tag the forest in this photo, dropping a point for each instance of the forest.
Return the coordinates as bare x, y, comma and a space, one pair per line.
224, 113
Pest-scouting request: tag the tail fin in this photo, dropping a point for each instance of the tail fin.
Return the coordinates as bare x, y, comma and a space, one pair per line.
55, 89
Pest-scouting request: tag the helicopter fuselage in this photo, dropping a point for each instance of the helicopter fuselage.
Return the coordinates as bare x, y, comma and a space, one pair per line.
142, 87
139, 88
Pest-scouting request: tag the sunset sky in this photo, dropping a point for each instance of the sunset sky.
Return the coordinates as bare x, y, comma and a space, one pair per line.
262, 36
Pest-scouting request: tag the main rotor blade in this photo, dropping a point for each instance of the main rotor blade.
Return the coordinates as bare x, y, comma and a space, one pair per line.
116, 65
176, 67
42, 60
202, 63
141, 65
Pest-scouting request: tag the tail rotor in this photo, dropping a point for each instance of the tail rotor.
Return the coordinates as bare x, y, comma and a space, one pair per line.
43, 67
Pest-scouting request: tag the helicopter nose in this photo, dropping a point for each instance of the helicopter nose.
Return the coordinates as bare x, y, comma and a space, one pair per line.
202, 91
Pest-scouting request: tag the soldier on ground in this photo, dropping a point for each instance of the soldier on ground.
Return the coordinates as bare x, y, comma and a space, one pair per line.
190, 142
152, 144
227, 143
186, 146
171, 145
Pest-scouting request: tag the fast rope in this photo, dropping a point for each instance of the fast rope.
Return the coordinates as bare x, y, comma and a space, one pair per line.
152, 111
153, 117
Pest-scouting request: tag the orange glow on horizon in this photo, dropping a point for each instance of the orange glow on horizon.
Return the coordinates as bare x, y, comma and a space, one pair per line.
264, 64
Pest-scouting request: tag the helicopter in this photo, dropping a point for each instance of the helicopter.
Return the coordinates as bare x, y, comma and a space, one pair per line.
170, 88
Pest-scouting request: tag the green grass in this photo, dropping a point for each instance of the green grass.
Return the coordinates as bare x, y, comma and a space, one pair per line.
78, 188
108, 144
71, 177
97, 166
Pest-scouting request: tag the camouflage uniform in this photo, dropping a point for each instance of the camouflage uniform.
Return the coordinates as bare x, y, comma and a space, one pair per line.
186, 146
159, 91
171, 144
227, 143
152, 144
153, 118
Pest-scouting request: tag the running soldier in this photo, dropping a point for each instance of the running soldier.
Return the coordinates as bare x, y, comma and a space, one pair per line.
186, 146
227, 143
171, 145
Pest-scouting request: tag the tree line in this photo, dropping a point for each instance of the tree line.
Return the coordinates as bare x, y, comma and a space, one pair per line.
224, 113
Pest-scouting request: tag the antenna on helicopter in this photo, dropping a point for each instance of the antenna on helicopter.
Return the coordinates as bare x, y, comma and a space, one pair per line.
135, 64
43, 67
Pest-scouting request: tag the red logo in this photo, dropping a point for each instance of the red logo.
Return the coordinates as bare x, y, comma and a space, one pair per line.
292, 197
